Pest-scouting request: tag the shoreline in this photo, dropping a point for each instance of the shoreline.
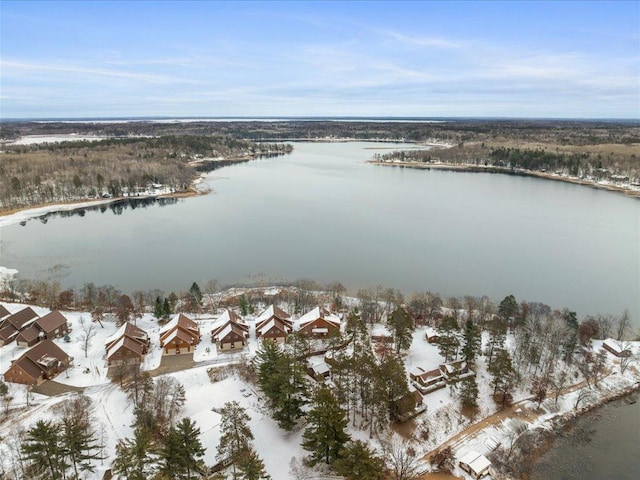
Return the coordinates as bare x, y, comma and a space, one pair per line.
464, 167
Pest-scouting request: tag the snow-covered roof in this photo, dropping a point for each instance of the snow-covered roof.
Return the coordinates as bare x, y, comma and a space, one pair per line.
477, 462
119, 333
229, 316
177, 333
320, 368
272, 311
317, 313
613, 345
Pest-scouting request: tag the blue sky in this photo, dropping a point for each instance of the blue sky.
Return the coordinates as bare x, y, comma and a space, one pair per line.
149, 58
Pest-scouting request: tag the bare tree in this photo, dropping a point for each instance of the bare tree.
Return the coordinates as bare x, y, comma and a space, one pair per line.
624, 322
401, 459
583, 395
626, 360
87, 332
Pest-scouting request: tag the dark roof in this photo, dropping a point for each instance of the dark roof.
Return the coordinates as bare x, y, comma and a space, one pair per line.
20, 318
29, 334
35, 360
51, 321
8, 332
4, 312
127, 343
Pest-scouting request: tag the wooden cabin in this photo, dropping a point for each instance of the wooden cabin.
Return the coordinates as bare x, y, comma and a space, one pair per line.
319, 323
180, 335
52, 325
230, 332
129, 344
39, 363
475, 464
427, 381
12, 325
319, 371
456, 371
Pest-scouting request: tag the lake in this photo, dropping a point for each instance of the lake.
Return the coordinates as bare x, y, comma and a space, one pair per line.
323, 213
604, 443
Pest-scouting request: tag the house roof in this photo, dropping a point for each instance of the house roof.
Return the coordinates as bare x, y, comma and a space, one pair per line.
267, 325
613, 345
38, 358
128, 344
316, 313
129, 330
230, 316
421, 372
181, 321
51, 321
19, 319
29, 334
477, 462
272, 311
320, 368
179, 334
222, 333
4, 312
8, 333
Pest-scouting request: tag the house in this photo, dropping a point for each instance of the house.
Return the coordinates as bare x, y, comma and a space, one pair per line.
274, 324
319, 323
456, 371
230, 332
319, 371
4, 312
475, 464
616, 348
432, 335
180, 335
273, 312
50, 326
39, 363
12, 325
427, 381
129, 344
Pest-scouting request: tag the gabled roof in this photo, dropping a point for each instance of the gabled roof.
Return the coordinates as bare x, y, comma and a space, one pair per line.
37, 359
51, 321
29, 334
8, 333
19, 319
230, 316
272, 311
319, 312
127, 343
268, 324
180, 334
227, 329
4, 312
128, 330
183, 322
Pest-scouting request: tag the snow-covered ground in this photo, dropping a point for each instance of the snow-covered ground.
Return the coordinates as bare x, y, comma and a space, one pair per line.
71, 137
441, 421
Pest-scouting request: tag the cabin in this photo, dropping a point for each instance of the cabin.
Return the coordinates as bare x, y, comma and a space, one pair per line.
432, 335
456, 371
319, 323
427, 381
52, 325
12, 325
39, 363
274, 324
128, 345
319, 371
616, 348
230, 332
475, 464
180, 335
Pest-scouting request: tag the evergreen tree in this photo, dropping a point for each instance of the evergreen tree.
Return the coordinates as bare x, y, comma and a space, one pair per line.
402, 328
472, 342
78, 443
508, 307
502, 373
393, 378
167, 309
497, 337
358, 462
325, 434
182, 451
135, 457
41, 450
158, 308
469, 392
236, 435
448, 341
251, 466
244, 305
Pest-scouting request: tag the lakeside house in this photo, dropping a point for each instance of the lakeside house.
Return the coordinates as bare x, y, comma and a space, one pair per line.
39, 363
12, 325
475, 464
180, 335
128, 345
616, 348
319, 322
230, 332
427, 381
50, 326
273, 324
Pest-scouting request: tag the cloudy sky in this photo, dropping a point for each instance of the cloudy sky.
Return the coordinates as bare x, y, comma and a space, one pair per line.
427, 59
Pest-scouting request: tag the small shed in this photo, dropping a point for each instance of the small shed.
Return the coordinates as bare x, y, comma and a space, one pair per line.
616, 348
475, 464
319, 371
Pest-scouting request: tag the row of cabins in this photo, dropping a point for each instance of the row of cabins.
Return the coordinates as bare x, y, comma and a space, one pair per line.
427, 381
27, 328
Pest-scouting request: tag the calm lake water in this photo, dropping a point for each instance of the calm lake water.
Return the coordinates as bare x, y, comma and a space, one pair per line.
323, 213
602, 444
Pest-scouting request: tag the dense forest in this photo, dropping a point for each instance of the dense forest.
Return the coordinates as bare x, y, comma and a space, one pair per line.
60, 172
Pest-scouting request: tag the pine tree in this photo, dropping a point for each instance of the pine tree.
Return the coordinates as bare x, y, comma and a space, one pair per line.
402, 328
251, 466
498, 333
158, 308
78, 443
41, 450
236, 435
448, 341
182, 451
244, 305
469, 392
394, 380
325, 434
166, 308
472, 341
503, 374
358, 462
135, 457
